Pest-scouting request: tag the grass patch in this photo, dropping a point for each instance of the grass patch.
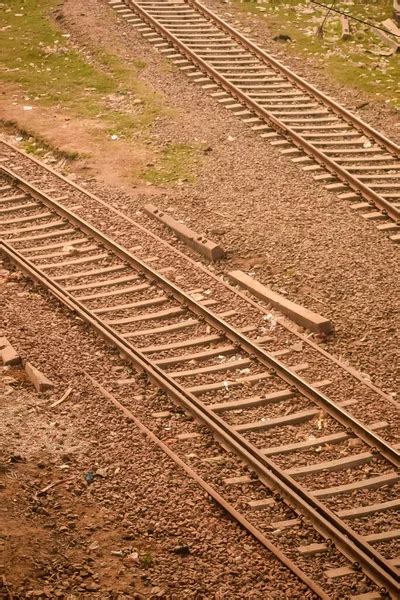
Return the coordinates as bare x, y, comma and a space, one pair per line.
38, 58
35, 145
146, 560
356, 62
174, 164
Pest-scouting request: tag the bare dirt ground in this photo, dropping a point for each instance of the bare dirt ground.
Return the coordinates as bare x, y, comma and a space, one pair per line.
69, 135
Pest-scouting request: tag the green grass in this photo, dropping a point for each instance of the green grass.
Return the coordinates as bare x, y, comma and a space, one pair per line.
174, 165
355, 62
34, 144
147, 560
38, 58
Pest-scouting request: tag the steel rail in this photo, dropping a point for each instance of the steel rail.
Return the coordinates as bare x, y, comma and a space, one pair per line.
227, 506
337, 108
325, 521
355, 184
293, 379
222, 282
350, 543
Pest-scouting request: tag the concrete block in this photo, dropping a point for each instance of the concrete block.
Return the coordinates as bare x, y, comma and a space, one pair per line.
194, 240
300, 315
37, 378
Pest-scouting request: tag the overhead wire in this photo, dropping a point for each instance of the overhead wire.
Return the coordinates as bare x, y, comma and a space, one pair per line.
341, 12
321, 27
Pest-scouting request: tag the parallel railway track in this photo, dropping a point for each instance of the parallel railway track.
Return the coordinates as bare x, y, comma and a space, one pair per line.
259, 409
347, 155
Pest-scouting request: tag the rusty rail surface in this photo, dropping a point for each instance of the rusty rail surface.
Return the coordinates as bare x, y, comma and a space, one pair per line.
284, 323
320, 157
324, 520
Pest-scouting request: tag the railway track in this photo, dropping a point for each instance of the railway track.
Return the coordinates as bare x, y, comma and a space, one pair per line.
346, 154
335, 480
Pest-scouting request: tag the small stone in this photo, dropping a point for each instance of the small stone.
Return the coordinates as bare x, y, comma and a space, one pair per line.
92, 587
298, 347
282, 37
93, 546
161, 415
16, 458
133, 557
157, 591
101, 472
183, 550
10, 356
355, 442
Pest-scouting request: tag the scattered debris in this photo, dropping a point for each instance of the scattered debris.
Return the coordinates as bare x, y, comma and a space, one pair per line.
391, 26
89, 477
386, 38
94, 546
101, 472
5, 585
345, 23
70, 250
52, 485
9, 355
298, 347
321, 420
63, 397
379, 53
182, 550
133, 557
161, 415
353, 443
282, 37
396, 11
16, 458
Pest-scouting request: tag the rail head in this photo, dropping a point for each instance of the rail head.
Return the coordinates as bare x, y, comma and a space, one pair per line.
331, 165
371, 438
324, 520
335, 106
